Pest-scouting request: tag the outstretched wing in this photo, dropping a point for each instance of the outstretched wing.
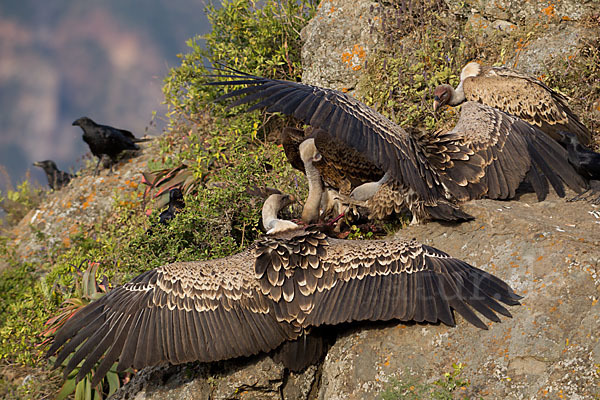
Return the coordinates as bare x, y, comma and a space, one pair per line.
180, 312
386, 144
505, 152
318, 280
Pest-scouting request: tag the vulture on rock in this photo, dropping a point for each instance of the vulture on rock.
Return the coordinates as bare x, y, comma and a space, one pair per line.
487, 154
270, 296
517, 94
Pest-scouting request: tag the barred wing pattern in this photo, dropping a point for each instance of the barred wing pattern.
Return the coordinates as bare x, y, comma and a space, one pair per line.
268, 295
527, 98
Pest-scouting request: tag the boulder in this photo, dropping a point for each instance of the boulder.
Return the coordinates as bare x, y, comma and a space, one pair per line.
338, 41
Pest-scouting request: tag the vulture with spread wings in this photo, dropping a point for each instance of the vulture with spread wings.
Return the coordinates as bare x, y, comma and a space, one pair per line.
270, 295
487, 154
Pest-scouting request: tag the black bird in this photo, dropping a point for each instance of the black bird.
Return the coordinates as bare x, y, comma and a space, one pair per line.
585, 161
176, 204
57, 179
272, 294
106, 140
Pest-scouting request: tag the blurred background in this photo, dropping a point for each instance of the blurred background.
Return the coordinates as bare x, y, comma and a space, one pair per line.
64, 59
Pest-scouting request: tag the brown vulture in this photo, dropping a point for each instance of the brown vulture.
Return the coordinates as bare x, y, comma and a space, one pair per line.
271, 295
517, 94
489, 153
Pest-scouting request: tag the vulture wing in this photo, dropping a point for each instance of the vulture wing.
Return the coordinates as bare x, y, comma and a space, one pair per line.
527, 98
258, 299
319, 280
384, 143
181, 312
504, 151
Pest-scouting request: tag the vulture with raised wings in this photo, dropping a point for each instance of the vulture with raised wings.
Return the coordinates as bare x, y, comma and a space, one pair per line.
517, 94
271, 295
489, 153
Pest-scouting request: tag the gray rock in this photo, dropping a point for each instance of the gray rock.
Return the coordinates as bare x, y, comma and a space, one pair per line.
557, 42
518, 11
338, 41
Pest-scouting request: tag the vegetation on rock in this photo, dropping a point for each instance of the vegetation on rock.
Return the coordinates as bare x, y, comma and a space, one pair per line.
227, 153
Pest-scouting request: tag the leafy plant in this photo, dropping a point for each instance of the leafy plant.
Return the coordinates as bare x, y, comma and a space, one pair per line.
442, 389
86, 289
17, 203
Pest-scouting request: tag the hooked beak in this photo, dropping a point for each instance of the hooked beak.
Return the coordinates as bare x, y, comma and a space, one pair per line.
436, 105
37, 164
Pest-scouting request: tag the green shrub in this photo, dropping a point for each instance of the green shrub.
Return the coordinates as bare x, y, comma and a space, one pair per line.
442, 389
17, 203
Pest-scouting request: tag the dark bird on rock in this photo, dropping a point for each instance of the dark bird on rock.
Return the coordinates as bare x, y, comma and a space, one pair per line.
517, 94
176, 204
57, 179
487, 154
585, 161
271, 295
106, 140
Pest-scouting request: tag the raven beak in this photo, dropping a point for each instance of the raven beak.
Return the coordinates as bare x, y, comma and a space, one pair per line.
75, 123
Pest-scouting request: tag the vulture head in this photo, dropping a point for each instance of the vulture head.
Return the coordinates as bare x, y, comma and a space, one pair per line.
271, 207
441, 96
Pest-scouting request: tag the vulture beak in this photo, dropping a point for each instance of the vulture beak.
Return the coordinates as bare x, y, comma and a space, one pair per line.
436, 104
38, 164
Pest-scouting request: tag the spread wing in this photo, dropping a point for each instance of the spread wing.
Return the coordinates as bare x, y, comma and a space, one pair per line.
384, 143
504, 151
319, 280
527, 98
258, 299
180, 312
488, 153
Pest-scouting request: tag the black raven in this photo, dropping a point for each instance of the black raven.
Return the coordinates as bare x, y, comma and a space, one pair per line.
106, 140
585, 161
176, 204
57, 179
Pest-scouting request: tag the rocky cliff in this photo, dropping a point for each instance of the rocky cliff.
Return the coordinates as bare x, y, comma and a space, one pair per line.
549, 252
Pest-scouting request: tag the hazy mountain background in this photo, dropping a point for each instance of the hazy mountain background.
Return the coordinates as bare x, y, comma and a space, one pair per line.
63, 59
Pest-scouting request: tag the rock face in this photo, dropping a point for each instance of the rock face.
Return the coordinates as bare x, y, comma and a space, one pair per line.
77, 205
549, 252
337, 42
517, 11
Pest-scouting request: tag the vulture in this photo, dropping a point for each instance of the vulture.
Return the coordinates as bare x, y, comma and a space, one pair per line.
489, 153
270, 296
57, 179
517, 94
106, 140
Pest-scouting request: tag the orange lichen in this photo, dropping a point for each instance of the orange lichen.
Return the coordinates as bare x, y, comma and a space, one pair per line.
549, 11
355, 58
